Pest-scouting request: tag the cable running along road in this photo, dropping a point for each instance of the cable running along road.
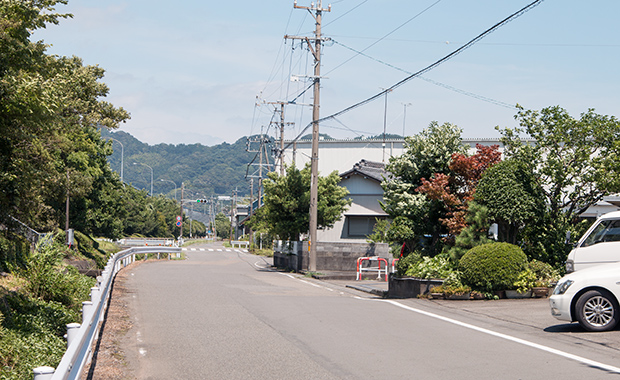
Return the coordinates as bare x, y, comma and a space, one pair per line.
426, 69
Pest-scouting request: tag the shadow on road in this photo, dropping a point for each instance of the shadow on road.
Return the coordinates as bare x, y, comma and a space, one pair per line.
565, 328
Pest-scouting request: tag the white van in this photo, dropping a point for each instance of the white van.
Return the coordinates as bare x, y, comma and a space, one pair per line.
599, 245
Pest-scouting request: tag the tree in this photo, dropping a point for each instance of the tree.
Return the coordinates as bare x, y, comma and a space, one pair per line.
577, 162
287, 202
512, 195
222, 226
456, 189
416, 215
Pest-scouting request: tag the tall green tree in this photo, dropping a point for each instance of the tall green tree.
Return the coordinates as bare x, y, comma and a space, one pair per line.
513, 197
49, 110
577, 162
287, 203
415, 215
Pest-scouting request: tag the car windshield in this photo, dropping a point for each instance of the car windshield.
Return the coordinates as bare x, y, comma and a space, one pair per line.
605, 231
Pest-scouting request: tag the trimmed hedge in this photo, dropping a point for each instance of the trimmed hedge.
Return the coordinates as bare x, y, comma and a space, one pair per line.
492, 266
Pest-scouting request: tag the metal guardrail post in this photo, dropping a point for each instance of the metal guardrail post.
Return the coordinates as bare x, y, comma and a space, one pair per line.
72, 331
87, 310
43, 373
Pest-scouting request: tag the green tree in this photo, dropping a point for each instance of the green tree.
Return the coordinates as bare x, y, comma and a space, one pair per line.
287, 202
577, 162
512, 195
426, 154
476, 233
49, 110
222, 226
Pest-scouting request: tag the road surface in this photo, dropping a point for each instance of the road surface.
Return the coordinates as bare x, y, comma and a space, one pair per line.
227, 315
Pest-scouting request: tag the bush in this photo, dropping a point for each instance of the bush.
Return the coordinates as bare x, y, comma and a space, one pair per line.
404, 263
50, 279
31, 334
431, 267
492, 266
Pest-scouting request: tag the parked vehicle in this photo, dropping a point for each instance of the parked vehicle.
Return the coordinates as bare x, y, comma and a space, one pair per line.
599, 245
589, 296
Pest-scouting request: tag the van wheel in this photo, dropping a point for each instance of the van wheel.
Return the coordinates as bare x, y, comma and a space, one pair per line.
597, 310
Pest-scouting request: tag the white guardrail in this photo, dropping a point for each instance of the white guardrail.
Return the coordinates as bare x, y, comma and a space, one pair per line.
80, 337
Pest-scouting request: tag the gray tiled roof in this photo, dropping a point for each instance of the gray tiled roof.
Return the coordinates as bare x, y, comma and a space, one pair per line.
370, 169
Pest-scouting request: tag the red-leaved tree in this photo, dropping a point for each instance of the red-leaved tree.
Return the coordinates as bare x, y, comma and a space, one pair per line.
457, 189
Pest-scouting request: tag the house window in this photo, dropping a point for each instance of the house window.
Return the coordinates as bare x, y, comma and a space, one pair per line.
361, 225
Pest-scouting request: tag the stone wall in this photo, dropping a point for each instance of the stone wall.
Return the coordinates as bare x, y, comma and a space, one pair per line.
330, 256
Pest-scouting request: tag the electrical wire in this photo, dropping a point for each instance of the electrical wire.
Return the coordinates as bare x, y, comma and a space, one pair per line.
451, 88
345, 13
428, 68
387, 35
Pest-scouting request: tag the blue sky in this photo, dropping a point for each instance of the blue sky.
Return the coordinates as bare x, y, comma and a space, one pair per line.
191, 71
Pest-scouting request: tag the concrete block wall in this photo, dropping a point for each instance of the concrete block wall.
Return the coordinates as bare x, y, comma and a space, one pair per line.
331, 256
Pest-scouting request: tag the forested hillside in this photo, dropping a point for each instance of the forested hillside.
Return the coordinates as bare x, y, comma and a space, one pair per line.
204, 170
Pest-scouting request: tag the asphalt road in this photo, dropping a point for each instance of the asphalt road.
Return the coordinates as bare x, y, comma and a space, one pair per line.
227, 315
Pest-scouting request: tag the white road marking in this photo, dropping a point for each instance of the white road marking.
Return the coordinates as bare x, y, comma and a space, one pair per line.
524, 342
306, 282
142, 351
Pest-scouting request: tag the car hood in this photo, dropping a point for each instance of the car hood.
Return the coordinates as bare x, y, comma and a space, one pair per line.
598, 271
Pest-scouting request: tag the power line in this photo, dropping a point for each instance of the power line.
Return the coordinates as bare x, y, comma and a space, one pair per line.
427, 68
345, 13
467, 93
387, 35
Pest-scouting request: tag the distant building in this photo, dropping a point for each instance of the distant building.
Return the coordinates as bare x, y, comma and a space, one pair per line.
341, 155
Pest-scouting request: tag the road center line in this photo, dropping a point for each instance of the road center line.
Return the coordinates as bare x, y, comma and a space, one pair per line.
554, 351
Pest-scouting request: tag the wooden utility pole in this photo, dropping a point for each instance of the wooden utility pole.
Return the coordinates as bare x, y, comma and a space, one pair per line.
233, 206
316, 10
181, 213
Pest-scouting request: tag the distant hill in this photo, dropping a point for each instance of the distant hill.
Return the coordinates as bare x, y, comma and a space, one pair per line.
205, 170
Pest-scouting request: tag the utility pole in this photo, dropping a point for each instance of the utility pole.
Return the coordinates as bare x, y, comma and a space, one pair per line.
181, 213
232, 212
316, 10
282, 124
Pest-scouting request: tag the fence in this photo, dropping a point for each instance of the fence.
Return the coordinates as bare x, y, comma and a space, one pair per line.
80, 338
361, 269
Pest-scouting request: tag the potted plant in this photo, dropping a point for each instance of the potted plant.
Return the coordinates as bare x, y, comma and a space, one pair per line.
546, 275
453, 292
523, 286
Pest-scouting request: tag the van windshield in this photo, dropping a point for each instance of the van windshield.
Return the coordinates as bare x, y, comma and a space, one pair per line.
606, 230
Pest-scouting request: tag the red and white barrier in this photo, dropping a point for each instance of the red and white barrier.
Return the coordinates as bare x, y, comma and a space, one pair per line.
394, 262
371, 268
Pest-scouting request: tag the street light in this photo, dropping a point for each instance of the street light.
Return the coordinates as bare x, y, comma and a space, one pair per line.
122, 156
140, 163
405, 116
175, 187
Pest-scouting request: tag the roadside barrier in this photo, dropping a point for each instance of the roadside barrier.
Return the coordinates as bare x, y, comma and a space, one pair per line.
394, 262
80, 337
245, 244
371, 268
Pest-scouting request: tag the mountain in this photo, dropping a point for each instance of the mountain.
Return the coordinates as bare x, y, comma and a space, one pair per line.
204, 170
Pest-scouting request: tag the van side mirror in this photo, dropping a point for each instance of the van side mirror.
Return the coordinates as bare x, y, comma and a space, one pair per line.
567, 241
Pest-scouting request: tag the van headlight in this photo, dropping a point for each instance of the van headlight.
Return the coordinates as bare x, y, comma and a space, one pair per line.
562, 287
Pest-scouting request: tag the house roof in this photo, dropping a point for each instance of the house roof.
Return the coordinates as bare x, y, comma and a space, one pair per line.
370, 169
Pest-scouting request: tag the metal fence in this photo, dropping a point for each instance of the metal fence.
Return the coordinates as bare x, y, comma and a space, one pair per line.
80, 337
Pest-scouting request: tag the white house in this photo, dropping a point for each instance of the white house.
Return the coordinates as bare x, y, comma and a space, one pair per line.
364, 184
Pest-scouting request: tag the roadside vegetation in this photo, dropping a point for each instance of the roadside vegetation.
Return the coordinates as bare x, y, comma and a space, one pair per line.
442, 202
